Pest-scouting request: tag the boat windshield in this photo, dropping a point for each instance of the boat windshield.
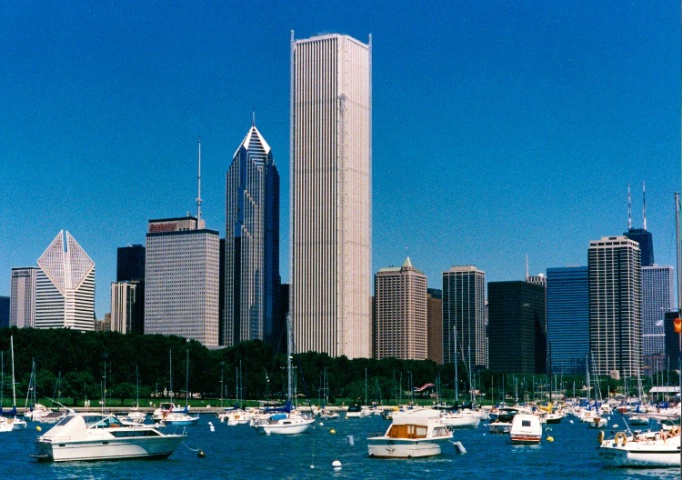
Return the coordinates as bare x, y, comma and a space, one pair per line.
98, 421
65, 420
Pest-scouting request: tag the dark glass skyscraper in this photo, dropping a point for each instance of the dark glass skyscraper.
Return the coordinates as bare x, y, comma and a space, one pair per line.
130, 266
516, 318
646, 244
252, 280
568, 318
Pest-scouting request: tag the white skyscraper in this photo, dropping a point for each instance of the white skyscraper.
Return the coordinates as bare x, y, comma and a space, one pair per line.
615, 296
65, 286
123, 299
331, 205
181, 280
23, 297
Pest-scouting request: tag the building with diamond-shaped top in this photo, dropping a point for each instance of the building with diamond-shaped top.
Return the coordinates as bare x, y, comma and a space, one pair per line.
65, 286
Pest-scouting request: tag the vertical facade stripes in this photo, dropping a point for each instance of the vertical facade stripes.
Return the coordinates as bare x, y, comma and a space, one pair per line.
181, 281
331, 195
124, 303
401, 325
252, 278
464, 314
657, 298
568, 318
65, 286
615, 289
23, 297
435, 321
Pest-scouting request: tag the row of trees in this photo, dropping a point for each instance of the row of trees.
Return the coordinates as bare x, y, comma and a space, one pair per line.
82, 366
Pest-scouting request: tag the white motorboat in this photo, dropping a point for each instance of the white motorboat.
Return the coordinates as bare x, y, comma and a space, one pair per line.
658, 450
92, 436
234, 416
180, 419
526, 429
503, 419
461, 419
6, 425
412, 434
356, 411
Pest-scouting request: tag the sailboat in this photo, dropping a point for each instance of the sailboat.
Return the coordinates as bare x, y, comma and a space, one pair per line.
284, 421
17, 423
181, 417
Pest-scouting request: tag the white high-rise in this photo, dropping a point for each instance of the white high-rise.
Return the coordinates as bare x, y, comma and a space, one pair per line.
331, 204
615, 296
65, 286
181, 280
123, 298
23, 297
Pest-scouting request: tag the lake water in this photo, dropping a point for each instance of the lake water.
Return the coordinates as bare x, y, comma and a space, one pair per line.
241, 453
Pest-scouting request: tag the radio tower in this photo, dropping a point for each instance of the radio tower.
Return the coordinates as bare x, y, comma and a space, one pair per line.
199, 189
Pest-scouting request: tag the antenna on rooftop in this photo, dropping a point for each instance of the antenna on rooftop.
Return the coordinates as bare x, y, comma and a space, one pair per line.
629, 209
199, 188
644, 203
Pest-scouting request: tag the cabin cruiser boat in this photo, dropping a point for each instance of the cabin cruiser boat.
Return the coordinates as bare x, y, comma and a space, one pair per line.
461, 419
93, 436
526, 429
412, 434
356, 411
652, 450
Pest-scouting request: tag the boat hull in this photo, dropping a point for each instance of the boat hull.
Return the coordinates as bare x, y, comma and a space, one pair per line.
286, 427
146, 447
392, 448
641, 458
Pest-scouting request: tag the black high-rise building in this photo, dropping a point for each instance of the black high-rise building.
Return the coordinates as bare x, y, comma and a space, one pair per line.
4, 312
646, 244
130, 267
516, 327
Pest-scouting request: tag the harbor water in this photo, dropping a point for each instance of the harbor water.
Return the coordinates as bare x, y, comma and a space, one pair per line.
239, 452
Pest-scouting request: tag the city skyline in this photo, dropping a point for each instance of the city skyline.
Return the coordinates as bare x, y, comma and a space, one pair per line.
499, 131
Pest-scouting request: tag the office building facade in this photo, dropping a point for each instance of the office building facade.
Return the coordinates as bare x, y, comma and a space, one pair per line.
181, 280
657, 298
401, 323
331, 195
516, 315
124, 303
65, 286
464, 335
23, 297
252, 280
615, 289
568, 318
130, 262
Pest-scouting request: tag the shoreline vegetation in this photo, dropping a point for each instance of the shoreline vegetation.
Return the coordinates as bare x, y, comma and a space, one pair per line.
79, 367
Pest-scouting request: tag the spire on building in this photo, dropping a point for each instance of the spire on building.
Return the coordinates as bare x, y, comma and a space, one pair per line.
644, 205
199, 189
629, 209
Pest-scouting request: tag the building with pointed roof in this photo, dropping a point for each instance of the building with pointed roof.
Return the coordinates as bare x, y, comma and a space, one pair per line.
252, 280
65, 286
401, 313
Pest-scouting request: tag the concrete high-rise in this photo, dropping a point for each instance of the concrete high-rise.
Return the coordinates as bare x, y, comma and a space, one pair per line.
464, 313
568, 318
615, 289
657, 299
331, 149
516, 316
401, 329
65, 286
23, 297
252, 281
181, 280
124, 304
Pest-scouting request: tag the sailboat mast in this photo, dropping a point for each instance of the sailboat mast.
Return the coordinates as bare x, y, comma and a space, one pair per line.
14, 393
289, 353
187, 381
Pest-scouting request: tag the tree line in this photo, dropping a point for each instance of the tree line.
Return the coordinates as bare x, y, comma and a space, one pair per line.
88, 365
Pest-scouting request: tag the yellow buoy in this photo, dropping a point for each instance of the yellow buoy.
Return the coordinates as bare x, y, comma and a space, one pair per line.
550, 439
332, 431
39, 428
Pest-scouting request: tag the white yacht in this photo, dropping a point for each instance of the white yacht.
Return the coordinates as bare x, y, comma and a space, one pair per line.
412, 434
92, 436
526, 429
657, 450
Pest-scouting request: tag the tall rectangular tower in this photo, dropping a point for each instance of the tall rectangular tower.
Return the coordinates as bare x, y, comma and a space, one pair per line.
252, 280
401, 328
130, 262
615, 292
568, 318
181, 280
464, 314
22, 312
331, 149
124, 303
657, 299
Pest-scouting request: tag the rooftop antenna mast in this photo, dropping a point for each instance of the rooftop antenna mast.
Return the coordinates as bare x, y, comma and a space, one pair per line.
644, 204
199, 188
629, 209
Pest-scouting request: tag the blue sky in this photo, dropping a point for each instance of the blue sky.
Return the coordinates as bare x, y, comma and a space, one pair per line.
500, 129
